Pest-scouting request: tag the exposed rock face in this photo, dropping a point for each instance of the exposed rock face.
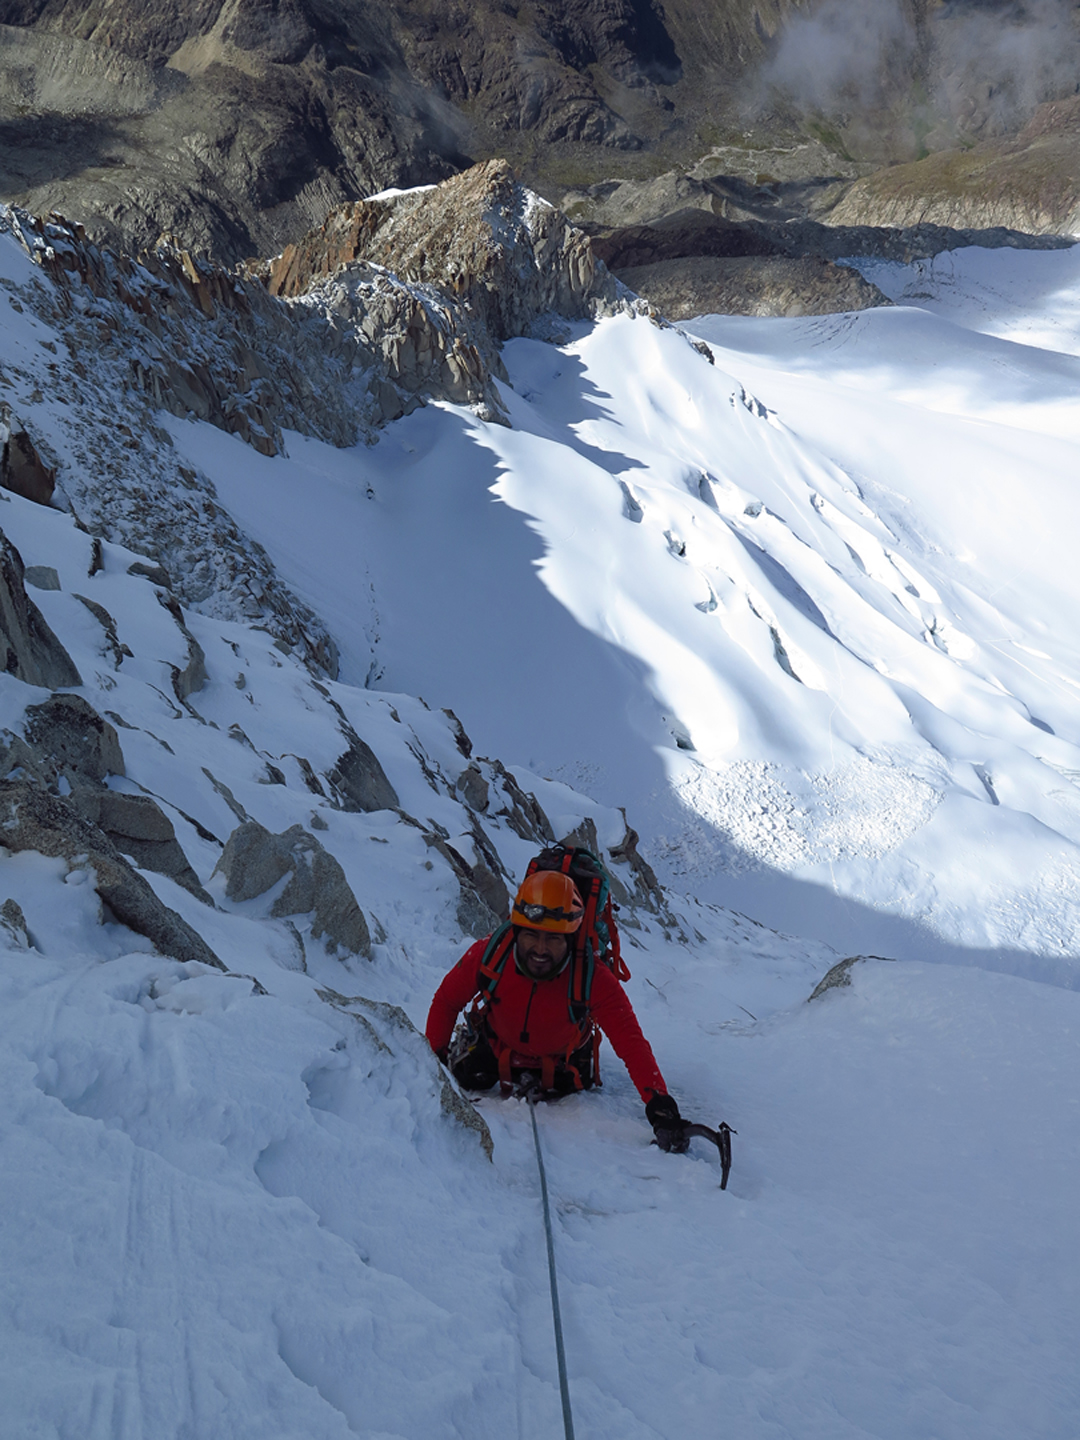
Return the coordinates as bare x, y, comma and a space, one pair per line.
238, 126
68, 747
678, 235
234, 125
31, 819
744, 249
1031, 183
703, 285
139, 828
22, 470
71, 740
695, 262
199, 340
718, 215
254, 860
414, 342
359, 779
140, 330
31, 651
481, 237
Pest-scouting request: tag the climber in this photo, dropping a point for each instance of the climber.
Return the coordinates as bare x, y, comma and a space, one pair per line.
539, 1015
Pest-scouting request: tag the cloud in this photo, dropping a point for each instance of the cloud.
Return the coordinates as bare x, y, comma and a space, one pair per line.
976, 64
1005, 59
845, 53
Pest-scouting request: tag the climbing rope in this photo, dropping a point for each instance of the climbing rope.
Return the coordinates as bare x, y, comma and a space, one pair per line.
560, 1353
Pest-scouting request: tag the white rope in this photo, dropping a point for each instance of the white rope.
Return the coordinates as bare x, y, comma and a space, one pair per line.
560, 1353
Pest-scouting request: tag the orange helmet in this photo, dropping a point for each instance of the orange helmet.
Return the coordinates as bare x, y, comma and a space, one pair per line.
548, 900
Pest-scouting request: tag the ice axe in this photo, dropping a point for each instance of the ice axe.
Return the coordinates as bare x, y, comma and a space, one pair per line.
721, 1138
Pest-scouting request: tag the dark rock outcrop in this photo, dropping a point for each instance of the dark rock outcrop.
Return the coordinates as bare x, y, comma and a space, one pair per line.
359, 779
140, 829
481, 237
22, 470
31, 651
32, 819
70, 739
254, 860
68, 748
773, 286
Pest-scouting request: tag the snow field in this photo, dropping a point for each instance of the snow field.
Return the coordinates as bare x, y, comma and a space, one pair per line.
815, 657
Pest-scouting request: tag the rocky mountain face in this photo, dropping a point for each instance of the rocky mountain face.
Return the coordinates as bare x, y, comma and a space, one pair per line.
1030, 183
392, 303
157, 587
238, 124
482, 237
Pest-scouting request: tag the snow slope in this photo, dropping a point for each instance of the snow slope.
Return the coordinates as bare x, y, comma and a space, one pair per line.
233, 1213
808, 613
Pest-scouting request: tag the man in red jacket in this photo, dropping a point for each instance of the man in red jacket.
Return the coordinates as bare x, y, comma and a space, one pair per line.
523, 1022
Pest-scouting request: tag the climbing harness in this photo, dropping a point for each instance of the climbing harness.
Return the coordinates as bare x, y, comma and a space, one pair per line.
532, 1093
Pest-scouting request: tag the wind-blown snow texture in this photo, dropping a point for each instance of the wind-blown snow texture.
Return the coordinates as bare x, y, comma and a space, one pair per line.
808, 614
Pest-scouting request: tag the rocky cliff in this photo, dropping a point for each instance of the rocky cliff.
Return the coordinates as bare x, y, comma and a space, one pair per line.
238, 124
392, 303
483, 238
1030, 183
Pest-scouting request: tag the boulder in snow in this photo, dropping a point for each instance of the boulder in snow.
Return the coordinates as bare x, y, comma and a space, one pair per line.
23, 471
31, 819
255, 860
70, 739
13, 928
31, 651
42, 577
359, 778
840, 975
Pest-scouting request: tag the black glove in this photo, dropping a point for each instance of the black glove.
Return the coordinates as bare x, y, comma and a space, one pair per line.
668, 1125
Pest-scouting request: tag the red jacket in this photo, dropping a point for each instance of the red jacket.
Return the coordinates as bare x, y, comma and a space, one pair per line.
532, 1017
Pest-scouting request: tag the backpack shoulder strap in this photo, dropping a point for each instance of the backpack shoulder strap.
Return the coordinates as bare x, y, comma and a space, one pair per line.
493, 961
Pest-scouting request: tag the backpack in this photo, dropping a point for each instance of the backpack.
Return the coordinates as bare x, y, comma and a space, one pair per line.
596, 941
